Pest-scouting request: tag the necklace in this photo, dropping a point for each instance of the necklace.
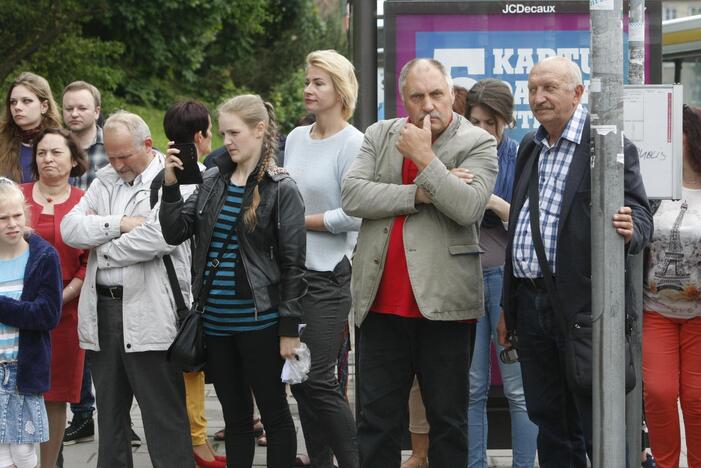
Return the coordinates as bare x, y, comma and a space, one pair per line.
52, 198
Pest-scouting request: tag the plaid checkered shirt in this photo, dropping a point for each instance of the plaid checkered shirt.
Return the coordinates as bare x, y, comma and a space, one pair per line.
97, 158
553, 167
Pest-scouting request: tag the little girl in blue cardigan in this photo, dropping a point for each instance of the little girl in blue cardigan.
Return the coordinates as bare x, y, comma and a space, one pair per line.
30, 306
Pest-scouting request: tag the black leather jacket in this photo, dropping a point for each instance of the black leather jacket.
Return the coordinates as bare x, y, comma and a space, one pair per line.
273, 254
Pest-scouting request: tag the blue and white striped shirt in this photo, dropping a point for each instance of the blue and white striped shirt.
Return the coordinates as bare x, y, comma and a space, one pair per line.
227, 311
553, 167
11, 285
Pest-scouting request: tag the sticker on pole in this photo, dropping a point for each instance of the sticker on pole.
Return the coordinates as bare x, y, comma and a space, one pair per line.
601, 4
604, 129
636, 31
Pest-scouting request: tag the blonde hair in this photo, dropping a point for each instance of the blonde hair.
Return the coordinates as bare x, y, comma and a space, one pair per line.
342, 75
252, 110
11, 192
9, 131
84, 85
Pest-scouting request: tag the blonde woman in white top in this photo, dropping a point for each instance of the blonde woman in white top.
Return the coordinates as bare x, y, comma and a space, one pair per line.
318, 157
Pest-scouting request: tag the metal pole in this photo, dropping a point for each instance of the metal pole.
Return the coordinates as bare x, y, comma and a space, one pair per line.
364, 50
364, 20
608, 291
634, 400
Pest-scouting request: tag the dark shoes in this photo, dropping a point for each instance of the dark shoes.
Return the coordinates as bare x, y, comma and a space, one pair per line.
258, 433
79, 430
83, 430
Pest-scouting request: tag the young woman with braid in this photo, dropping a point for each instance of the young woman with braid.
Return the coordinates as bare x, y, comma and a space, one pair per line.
247, 217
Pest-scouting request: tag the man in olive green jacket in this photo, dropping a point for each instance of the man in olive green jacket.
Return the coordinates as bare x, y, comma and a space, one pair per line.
417, 280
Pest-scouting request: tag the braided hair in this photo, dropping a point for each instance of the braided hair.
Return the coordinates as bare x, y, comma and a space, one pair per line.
253, 110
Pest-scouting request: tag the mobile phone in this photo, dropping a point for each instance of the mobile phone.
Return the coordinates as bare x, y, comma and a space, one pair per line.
190, 174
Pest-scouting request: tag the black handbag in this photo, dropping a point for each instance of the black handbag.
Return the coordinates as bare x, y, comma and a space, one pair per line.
188, 350
578, 336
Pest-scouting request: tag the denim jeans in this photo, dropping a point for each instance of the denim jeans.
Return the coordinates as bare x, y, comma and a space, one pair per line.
523, 431
84, 409
392, 350
564, 418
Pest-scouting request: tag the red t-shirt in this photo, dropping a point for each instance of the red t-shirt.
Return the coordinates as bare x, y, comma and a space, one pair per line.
394, 295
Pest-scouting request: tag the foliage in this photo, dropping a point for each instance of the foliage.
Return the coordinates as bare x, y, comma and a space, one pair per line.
166, 40
46, 37
75, 58
154, 53
287, 99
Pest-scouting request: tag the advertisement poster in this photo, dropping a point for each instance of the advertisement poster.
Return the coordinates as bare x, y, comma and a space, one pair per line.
502, 41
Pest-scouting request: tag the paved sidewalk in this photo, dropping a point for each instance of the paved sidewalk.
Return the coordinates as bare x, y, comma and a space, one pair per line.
84, 455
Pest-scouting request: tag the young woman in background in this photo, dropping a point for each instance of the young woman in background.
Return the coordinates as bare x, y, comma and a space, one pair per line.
29, 108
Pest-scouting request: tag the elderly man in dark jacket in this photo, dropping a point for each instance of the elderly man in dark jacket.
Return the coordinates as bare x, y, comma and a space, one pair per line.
557, 158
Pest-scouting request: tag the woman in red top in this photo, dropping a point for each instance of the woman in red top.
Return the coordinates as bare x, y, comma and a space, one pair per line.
56, 157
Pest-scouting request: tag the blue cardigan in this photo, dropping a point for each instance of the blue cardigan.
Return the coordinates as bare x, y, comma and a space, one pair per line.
36, 312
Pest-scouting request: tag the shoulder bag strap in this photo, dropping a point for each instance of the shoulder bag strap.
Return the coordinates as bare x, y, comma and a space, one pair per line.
534, 213
182, 309
204, 292
180, 306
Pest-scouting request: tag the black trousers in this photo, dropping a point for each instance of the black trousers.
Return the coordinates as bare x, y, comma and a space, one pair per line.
564, 418
326, 417
236, 365
159, 390
392, 350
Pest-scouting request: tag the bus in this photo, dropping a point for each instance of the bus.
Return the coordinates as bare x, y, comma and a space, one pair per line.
681, 56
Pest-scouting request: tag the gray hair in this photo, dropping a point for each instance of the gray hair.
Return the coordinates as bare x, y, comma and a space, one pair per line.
573, 75
132, 123
416, 61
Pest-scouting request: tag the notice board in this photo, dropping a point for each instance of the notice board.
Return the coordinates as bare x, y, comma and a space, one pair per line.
652, 117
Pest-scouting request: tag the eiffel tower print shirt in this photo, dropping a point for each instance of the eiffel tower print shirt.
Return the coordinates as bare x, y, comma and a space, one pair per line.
673, 279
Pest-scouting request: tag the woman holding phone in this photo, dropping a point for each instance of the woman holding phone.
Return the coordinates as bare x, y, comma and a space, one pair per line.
247, 218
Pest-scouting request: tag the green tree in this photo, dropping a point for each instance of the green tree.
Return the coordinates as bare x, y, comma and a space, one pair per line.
46, 37
151, 53
270, 60
165, 41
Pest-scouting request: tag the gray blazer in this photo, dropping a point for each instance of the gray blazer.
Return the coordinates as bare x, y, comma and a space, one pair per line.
441, 239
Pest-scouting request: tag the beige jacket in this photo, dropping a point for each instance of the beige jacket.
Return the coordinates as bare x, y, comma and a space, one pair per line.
441, 240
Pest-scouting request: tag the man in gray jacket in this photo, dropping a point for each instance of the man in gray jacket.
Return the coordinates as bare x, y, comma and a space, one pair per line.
126, 311
417, 280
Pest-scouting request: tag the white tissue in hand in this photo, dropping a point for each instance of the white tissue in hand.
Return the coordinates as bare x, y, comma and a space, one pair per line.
296, 369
